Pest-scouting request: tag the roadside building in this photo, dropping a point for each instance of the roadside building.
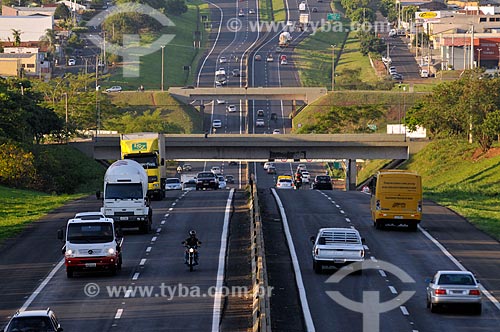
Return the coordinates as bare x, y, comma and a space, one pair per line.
32, 28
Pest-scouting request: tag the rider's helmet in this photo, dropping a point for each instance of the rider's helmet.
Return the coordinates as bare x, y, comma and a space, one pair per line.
192, 233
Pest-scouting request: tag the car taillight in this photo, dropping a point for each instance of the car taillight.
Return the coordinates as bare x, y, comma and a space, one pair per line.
475, 292
440, 292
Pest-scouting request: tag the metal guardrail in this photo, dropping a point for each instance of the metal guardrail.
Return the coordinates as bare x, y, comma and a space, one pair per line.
261, 307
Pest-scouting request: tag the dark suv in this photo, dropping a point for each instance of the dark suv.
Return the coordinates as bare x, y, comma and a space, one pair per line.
206, 180
34, 320
322, 182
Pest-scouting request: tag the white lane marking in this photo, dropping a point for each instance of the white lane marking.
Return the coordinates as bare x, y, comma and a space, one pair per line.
373, 259
216, 316
143, 261
393, 290
404, 310
342, 211
42, 285
170, 209
119, 313
382, 273
347, 219
296, 266
336, 205
459, 265
154, 238
127, 293
148, 249
158, 230
174, 203
163, 222
214, 44
166, 215
136, 276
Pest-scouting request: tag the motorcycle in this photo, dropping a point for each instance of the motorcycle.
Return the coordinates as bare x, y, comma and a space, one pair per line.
191, 255
298, 183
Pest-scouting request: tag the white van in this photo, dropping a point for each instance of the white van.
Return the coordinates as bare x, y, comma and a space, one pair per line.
424, 73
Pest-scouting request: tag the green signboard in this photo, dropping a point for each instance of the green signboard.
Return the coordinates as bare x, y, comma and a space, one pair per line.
333, 16
139, 146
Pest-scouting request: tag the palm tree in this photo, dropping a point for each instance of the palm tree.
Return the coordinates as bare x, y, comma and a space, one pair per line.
17, 37
49, 39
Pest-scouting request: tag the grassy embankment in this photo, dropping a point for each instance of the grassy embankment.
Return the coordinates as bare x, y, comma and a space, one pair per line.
279, 12
177, 54
185, 117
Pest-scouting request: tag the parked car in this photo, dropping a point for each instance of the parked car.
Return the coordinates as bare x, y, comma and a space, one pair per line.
454, 287
322, 182
115, 88
33, 320
173, 184
336, 247
229, 179
217, 124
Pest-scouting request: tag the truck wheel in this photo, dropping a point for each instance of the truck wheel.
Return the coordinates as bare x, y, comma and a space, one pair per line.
317, 267
69, 272
434, 307
412, 226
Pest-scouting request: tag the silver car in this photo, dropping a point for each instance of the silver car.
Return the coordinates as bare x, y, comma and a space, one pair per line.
454, 287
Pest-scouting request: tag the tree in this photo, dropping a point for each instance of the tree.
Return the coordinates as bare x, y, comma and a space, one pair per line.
175, 7
16, 34
49, 39
62, 12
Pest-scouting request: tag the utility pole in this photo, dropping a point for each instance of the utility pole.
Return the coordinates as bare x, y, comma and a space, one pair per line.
162, 65
333, 67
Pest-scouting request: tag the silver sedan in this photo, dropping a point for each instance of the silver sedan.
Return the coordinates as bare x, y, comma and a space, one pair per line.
454, 287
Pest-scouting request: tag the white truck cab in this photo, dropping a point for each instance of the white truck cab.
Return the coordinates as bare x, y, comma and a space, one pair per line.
91, 242
336, 247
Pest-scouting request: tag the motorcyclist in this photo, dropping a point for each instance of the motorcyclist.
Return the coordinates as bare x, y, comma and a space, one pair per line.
191, 241
298, 180
179, 169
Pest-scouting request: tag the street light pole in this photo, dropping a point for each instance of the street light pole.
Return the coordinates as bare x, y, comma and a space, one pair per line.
479, 57
162, 65
333, 67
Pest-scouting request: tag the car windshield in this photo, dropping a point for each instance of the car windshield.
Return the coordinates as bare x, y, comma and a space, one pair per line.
123, 191
323, 178
456, 279
32, 324
206, 175
173, 181
90, 233
147, 161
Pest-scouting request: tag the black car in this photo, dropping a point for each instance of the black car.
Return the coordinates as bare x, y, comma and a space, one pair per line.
229, 179
207, 180
322, 182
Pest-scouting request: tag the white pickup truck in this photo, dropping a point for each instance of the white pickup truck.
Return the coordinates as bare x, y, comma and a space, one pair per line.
336, 247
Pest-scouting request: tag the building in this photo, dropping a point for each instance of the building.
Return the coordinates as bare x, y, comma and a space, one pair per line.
28, 58
32, 27
28, 11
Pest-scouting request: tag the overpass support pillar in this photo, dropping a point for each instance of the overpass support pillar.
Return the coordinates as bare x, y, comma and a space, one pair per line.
351, 175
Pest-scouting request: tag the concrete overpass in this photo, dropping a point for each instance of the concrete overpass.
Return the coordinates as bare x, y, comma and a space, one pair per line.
308, 95
258, 148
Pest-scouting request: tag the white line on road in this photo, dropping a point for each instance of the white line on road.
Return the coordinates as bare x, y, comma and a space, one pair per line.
163, 222
170, 209
166, 215
222, 261
296, 267
143, 261
158, 230
119, 313
342, 211
42, 285
382, 273
154, 238
148, 249
174, 203
459, 265
127, 293
404, 310
393, 290
136, 276
347, 219
373, 259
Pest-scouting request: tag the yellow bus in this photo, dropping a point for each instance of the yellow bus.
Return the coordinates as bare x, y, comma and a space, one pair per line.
396, 198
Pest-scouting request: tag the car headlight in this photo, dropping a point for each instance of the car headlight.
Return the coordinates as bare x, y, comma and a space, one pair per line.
69, 253
111, 251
